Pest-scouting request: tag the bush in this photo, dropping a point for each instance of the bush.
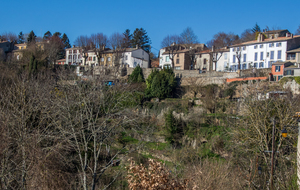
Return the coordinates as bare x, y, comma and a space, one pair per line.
136, 75
160, 84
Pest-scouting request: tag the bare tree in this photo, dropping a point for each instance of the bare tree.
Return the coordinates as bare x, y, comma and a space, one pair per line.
222, 39
99, 42
247, 35
188, 36
9, 36
90, 123
170, 39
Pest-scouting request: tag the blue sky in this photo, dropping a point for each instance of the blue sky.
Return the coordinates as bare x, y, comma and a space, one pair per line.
158, 17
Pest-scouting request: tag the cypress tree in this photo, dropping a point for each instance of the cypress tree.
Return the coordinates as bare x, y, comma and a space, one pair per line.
31, 37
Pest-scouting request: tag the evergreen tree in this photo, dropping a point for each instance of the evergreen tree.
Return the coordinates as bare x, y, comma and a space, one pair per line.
66, 41
256, 28
127, 39
47, 35
58, 34
31, 37
161, 84
136, 75
20, 38
141, 39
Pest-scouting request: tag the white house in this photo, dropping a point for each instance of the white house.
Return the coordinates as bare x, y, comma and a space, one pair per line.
263, 52
133, 57
73, 56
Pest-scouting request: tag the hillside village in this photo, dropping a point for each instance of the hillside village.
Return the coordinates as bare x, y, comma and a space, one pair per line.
198, 116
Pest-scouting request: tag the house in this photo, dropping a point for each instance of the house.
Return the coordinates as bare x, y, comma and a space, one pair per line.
61, 62
219, 62
293, 55
73, 56
275, 33
5, 48
131, 57
278, 69
183, 56
263, 52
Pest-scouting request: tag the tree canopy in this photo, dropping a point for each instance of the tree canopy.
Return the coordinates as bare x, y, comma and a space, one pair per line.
223, 39
188, 36
136, 75
161, 84
31, 37
141, 39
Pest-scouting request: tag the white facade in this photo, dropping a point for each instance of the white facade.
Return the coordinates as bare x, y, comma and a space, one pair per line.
73, 56
134, 57
164, 60
223, 62
262, 53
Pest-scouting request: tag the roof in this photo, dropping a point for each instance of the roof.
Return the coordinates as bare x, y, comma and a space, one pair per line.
267, 40
294, 50
286, 63
176, 52
275, 31
221, 50
61, 60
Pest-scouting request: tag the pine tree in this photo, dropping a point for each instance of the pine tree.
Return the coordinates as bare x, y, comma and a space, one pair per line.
141, 39
127, 39
66, 41
31, 37
58, 34
47, 35
20, 38
256, 28
136, 75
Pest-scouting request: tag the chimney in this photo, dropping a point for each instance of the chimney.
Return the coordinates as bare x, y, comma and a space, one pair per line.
137, 46
260, 37
73, 46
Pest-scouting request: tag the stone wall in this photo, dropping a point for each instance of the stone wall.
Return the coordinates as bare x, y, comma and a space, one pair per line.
186, 77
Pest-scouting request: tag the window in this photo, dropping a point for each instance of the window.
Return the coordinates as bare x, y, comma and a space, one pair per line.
261, 55
102, 59
245, 55
272, 55
238, 49
277, 68
70, 56
289, 72
79, 56
225, 55
177, 55
94, 58
108, 59
268, 54
271, 44
177, 61
261, 45
177, 68
278, 44
126, 57
244, 66
204, 61
279, 77
255, 46
233, 59
244, 47
255, 56
74, 57
291, 56
255, 65
261, 64
279, 54
90, 58
70, 51
233, 49
74, 51
167, 58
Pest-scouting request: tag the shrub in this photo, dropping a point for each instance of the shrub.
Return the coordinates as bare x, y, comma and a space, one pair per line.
161, 84
136, 75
